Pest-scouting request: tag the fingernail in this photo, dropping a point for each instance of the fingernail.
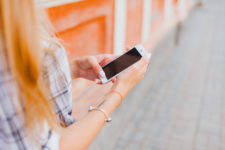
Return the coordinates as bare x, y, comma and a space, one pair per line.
97, 81
102, 73
149, 55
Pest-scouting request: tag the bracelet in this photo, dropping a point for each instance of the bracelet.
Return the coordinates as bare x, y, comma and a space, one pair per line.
107, 119
121, 96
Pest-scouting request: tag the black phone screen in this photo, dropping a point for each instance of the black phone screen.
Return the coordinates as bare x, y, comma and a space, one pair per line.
121, 63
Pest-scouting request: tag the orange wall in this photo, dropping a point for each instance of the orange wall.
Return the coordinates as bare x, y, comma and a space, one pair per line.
157, 13
134, 22
86, 27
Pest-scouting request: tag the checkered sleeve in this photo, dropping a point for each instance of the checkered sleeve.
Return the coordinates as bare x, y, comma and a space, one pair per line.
56, 73
12, 128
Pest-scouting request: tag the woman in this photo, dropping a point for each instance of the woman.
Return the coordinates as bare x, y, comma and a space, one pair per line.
35, 87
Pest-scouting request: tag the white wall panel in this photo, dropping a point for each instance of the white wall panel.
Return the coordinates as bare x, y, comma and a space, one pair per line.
147, 6
120, 26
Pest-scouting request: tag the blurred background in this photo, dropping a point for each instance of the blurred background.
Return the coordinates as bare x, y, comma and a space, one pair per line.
180, 104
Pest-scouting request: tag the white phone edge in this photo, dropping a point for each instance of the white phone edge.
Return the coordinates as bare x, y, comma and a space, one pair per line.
141, 51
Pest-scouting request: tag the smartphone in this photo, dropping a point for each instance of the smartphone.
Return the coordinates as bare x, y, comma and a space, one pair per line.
115, 67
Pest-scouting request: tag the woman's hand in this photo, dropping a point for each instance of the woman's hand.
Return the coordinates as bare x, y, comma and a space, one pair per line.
86, 130
129, 78
89, 67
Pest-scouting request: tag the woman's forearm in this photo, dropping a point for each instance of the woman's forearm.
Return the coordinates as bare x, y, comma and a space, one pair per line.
81, 134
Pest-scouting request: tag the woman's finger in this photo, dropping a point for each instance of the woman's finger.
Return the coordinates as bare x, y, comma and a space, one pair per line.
113, 80
98, 81
128, 48
144, 60
95, 66
147, 58
137, 67
101, 57
106, 58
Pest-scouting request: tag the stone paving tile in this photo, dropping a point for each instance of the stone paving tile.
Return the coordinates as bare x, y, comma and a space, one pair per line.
180, 104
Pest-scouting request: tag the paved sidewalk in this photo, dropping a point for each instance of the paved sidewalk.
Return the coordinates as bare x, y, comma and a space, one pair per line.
180, 104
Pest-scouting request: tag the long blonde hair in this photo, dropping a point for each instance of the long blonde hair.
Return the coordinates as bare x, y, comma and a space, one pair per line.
20, 27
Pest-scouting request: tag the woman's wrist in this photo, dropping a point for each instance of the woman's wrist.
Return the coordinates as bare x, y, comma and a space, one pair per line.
118, 93
73, 69
111, 101
120, 90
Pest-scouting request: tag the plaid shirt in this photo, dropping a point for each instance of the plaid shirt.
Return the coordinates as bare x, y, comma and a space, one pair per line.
56, 73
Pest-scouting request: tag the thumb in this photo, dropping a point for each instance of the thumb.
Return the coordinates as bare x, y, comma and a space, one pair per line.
96, 66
